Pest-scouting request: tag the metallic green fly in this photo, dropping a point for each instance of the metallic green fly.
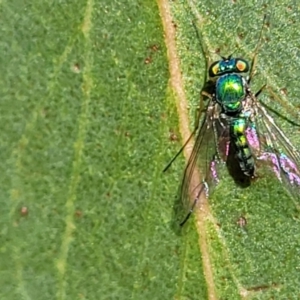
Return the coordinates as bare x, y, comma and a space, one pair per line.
235, 122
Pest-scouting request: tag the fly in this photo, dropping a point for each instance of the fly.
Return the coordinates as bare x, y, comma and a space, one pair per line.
235, 119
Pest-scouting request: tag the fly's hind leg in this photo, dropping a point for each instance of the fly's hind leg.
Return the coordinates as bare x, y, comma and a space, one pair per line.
203, 188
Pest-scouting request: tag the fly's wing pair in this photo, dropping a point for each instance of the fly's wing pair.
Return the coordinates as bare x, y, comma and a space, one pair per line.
273, 149
211, 143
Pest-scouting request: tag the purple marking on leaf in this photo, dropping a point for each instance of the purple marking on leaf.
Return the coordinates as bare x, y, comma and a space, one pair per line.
252, 137
290, 169
214, 171
267, 156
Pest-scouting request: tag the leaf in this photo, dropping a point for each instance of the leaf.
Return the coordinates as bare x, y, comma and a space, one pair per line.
251, 234
89, 121
86, 123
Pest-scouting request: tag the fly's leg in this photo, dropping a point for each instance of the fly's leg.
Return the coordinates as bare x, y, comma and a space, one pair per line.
201, 38
181, 149
254, 59
205, 93
204, 187
208, 86
260, 90
286, 105
291, 110
198, 116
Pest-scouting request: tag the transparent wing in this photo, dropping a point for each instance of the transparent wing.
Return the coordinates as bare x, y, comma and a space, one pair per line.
272, 148
210, 148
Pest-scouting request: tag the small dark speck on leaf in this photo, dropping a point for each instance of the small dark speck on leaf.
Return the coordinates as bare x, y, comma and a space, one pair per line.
78, 213
148, 60
76, 68
24, 211
283, 91
173, 136
241, 222
218, 50
296, 216
154, 47
241, 35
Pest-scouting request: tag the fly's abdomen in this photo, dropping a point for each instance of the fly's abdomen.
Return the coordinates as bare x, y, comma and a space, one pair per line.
238, 137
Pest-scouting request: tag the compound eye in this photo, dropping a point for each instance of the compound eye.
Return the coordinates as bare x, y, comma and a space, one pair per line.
214, 69
242, 66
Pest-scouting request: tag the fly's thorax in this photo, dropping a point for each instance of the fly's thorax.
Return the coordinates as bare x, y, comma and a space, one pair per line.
230, 92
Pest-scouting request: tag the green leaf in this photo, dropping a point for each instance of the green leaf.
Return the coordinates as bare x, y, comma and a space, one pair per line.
259, 260
89, 120
86, 118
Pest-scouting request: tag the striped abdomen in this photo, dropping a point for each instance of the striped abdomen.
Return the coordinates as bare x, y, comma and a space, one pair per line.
238, 137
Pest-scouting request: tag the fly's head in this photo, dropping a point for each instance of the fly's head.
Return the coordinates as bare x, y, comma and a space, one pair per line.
228, 65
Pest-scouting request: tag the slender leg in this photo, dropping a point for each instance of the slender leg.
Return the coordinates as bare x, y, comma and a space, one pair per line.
289, 109
254, 60
260, 90
181, 149
198, 117
293, 111
200, 37
192, 134
203, 187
